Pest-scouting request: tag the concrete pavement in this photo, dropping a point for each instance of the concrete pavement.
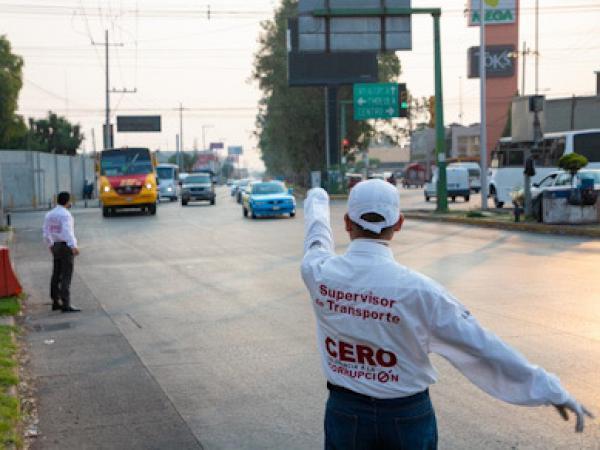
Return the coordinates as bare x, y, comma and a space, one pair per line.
207, 311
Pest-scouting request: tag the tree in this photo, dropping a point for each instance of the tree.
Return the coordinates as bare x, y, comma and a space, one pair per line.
290, 125
572, 163
227, 170
12, 126
188, 161
54, 134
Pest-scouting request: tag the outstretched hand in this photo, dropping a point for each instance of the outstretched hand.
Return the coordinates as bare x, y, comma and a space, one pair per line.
578, 409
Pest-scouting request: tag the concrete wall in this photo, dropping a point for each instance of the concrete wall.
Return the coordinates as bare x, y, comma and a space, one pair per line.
32, 179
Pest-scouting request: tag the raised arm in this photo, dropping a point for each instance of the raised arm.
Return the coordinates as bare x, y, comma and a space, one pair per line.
317, 227
492, 365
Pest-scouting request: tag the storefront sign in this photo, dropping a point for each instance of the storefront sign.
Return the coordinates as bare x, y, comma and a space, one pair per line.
496, 12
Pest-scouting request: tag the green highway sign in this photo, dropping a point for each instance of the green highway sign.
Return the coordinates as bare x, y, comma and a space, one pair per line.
379, 101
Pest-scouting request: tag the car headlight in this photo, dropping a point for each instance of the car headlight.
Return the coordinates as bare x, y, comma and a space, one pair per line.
149, 186
106, 188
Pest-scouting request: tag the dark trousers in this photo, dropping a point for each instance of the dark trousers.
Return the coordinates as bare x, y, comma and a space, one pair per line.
62, 272
353, 421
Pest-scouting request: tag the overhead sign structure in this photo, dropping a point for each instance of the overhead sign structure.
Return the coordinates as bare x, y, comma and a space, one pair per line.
138, 124
324, 68
235, 150
496, 12
379, 101
500, 61
368, 33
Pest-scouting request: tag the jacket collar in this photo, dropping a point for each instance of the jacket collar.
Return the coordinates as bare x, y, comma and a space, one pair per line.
371, 247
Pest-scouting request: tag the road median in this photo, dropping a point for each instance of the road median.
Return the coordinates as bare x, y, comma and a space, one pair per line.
503, 221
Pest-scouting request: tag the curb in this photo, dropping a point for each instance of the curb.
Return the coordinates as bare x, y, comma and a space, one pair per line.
561, 230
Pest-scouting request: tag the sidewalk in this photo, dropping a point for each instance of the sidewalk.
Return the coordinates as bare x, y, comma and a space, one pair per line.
93, 391
503, 221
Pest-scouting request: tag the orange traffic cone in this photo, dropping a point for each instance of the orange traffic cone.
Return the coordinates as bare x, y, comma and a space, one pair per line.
9, 285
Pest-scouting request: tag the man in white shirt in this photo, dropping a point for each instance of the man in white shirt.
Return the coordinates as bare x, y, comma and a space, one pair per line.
377, 322
59, 235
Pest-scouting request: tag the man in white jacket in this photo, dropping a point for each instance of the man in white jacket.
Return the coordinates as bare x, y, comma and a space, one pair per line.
377, 322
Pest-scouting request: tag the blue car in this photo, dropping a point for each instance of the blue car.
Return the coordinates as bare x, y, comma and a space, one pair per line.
269, 198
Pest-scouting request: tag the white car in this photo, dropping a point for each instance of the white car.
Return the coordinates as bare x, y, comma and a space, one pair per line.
561, 179
457, 184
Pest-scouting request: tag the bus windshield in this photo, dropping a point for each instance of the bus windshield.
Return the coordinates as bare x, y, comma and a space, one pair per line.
588, 145
130, 161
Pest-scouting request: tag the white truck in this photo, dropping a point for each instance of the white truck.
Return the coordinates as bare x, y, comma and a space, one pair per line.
457, 184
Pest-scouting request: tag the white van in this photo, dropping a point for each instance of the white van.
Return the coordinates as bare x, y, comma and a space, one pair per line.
474, 174
457, 184
168, 181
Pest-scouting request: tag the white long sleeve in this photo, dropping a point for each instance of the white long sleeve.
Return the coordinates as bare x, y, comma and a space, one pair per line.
59, 226
317, 227
487, 361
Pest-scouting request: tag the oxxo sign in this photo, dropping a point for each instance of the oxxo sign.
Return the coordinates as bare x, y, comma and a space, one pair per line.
499, 61
496, 12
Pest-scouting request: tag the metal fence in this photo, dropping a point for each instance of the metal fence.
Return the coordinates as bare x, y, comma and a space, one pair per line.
31, 179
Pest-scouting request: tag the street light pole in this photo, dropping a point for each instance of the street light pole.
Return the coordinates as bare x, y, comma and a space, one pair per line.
483, 108
442, 197
107, 134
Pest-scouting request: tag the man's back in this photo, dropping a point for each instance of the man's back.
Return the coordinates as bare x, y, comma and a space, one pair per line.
364, 298
377, 322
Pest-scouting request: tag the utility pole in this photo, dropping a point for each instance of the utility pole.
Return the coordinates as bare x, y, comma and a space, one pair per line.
483, 108
204, 127
181, 126
460, 100
178, 150
107, 135
524, 53
537, 47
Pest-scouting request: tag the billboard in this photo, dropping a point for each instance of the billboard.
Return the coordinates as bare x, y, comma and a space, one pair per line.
138, 124
366, 33
496, 12
500, 61
235, 150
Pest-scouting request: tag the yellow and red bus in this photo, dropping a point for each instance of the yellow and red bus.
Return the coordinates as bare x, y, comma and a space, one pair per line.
127, 179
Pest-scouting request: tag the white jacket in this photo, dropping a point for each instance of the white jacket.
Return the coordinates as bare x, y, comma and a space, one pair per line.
378, 321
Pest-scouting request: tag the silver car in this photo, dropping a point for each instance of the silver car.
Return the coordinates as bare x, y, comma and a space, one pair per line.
198, 187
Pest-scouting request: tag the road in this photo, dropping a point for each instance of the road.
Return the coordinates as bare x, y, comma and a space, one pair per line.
214, 307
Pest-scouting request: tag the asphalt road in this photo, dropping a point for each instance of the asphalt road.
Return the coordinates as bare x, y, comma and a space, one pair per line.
214, 307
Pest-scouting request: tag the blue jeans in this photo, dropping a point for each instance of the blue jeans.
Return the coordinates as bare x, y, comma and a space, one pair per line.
354, 422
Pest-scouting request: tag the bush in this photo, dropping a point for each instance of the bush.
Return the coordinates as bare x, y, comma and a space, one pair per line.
572, 162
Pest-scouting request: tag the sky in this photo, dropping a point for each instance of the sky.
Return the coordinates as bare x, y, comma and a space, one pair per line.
172, 54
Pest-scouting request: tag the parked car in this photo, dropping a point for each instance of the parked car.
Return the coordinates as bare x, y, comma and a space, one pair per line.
474, 174
271, 198
198, 187
457, 184
556, 180
561, 179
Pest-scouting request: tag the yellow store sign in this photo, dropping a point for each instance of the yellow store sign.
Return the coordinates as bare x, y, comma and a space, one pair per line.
496, 12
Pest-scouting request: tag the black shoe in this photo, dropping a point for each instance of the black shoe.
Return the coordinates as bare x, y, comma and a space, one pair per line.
70, 309
56, 306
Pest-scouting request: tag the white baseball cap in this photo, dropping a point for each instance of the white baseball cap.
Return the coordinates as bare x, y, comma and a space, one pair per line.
374, 196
